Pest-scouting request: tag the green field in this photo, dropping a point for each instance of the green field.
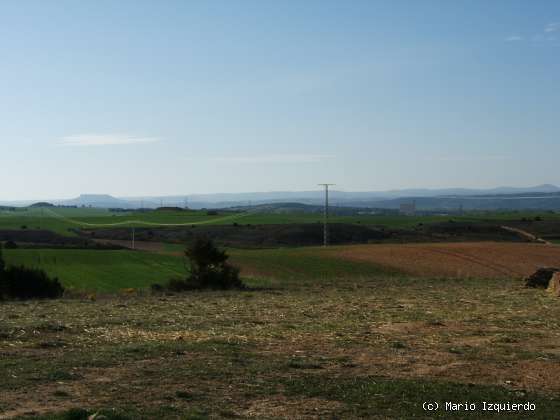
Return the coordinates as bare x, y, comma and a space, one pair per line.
62, 220
302, 265
110, 271
100, 270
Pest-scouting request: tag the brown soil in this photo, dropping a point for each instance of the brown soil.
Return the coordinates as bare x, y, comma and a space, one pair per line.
474, 259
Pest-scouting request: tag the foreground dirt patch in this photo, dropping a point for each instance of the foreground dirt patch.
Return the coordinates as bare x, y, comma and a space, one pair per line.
478, 259
330, 350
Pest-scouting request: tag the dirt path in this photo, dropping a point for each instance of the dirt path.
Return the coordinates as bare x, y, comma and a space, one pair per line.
526, 235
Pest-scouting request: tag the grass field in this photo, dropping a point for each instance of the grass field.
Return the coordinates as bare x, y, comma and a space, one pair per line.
374, 348
110, 271
105, 271
64, 219
301, 265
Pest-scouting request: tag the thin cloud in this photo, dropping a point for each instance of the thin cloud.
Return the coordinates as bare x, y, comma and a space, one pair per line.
552, 27
544, 38
472, 158
104, 140
514, 38
548, 34
278, 158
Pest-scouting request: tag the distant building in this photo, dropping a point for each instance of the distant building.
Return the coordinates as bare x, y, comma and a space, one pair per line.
408, 209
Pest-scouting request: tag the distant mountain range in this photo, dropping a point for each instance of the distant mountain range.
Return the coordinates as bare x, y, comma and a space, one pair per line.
317, 196
538, 197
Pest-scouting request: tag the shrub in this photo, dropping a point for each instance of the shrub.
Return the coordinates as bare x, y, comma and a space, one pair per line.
27, 283
209, 269
10, 245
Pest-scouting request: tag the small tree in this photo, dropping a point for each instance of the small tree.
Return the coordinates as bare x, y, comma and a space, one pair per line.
209, 268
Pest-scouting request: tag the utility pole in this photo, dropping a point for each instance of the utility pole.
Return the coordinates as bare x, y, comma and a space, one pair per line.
326, 215
133, 237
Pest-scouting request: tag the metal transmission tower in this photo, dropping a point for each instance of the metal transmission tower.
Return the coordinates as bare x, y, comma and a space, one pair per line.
326, 215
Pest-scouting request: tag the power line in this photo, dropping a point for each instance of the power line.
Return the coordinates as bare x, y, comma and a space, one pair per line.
326, 215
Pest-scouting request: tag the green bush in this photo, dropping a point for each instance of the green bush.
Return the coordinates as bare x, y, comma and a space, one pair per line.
27, 283
209, 269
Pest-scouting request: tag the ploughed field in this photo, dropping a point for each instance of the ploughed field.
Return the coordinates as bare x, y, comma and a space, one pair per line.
466, 259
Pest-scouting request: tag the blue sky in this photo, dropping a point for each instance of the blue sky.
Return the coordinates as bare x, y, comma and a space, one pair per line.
176, 97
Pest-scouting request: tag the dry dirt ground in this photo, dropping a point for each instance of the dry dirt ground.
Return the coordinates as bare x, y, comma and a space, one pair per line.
373, 348
475, 259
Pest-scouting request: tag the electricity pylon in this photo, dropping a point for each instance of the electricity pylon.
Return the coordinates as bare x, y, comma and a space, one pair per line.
326, 215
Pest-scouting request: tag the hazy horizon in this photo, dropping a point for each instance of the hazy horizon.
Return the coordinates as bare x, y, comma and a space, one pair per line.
143, 98
333, 190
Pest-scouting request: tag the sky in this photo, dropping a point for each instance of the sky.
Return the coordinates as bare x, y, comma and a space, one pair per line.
139, 98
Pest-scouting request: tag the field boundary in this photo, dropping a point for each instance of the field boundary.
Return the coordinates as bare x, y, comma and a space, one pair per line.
144, 223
